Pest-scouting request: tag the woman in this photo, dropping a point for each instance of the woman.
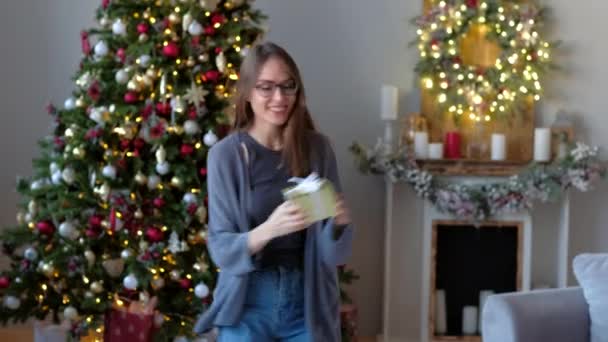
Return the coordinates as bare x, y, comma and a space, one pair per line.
277, 279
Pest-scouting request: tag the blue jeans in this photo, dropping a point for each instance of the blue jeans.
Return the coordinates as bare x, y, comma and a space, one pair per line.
273, 311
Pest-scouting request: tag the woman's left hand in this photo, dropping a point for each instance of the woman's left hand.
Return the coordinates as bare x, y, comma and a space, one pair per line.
342, 212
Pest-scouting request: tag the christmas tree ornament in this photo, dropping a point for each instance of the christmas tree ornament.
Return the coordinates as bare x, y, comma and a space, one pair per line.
54, 167
101, 49
32, 207
195, 28
122, 76
119, 28
209, 5
68, 175
185, 283
30, 254
130, 282
142, 28
70, 103
201, 214
189, 198
45, 227
70, 313
68, 230
109, 171
175, 275
140, 178
175, 18
210, 138
158, 202
157, 283
144, 61
88, 295
84, 81
105, 21
80, 102
161, 154
114, 267
201, 290
220, 62
162, 168
11, 302
96, 287
191, 127
90, 257
143, 245
126, 253
5, 282
142, 38
177, 182
171, 50
159, 319
187, 21
48, 269
138, 214
195, 94
203, 58
154, 234
20, 218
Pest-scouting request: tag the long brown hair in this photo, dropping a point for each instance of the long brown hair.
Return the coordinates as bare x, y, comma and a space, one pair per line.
296, 148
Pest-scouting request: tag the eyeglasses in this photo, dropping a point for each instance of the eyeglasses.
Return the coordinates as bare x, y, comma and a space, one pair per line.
267, 89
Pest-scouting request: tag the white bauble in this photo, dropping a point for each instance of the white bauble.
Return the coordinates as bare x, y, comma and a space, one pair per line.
68, 230
126, 254
12, 302
161, 154
36, 185
163, 168
96, 115
201, 290
130, 282
109, 171
70, 313
90, 256
153, 182
54, 167
220, 62
28, 217
119, 28
101, 49
70, 103
191, 127
210, 138
32, 207
144, 60
158, 283
68, 175
56, 178
30, 254
189, 198
122, 77
195, 28
186, 21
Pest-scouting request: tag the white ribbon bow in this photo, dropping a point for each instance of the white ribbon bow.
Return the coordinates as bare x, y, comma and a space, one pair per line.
309, 184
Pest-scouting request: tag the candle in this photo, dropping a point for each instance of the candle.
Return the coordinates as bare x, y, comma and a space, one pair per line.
390, 102
421, 145
542, 144
435, 151
452, 145
441, 326
469, 320
498, 147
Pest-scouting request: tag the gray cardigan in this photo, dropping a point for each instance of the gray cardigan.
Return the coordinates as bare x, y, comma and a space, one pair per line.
228, 187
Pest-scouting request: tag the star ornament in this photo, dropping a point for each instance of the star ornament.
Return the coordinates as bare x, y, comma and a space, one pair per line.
196, 95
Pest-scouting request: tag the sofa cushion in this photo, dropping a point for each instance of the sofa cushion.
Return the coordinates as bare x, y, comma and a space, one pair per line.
591, 271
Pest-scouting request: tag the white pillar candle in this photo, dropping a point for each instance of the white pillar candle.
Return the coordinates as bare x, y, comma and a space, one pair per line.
499, 147
441, 326
542, 144
390, 102
469, 320
436, 151
483, 295
421, 145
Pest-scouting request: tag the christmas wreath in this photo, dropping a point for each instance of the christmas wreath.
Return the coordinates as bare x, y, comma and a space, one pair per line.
516, 64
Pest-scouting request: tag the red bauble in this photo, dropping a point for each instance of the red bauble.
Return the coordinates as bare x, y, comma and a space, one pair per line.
163, 108
122, 54
192, 114
131, 97
92, 233
142, 28
218, 50
86, 45
186, 150
171, 50
202, 171
212, 75
125, 143
139, 143
154, 234
45, 227
159, 202
192, 208
4, 282
185, 283
95, 220
209, 30
217, 19
94, 91
105, 3
471, 3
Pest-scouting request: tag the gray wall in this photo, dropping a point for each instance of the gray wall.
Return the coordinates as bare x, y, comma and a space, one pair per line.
346, 49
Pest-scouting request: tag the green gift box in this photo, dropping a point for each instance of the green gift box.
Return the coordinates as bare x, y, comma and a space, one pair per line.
316, 196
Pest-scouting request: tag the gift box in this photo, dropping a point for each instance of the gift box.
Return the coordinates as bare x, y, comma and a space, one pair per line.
130, 323
348, 322
46, 331
315, 195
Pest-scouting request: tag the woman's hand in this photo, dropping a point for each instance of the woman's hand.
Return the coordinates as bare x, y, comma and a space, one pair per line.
342, 212
285, 219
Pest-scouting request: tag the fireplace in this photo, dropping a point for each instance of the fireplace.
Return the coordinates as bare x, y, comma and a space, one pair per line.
467, 259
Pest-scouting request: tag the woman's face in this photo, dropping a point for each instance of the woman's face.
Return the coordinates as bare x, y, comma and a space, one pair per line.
274, 93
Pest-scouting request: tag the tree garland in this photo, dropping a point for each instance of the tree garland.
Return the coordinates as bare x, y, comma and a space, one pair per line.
538, 182
482, 93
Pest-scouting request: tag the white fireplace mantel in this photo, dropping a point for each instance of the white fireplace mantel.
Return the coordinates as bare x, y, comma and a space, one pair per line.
407, 267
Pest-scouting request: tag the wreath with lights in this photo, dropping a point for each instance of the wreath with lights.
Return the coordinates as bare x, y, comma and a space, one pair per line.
483, 93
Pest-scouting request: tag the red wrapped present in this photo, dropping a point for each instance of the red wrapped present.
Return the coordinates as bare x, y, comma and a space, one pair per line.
134, 323
348, 322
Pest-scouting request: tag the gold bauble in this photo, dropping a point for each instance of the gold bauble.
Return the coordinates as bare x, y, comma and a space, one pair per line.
175, 18
69, 133
151, 72
48, 269
90, 256
80, 102
203, 58
79, 152
157, 283
175, 275
202, 234
201, 214
190, 62
21, 218
105, 21
143, 38
105, 224
32, 207
177, 182
139, 214
143, 245
134, 85
147, 80
140, 178
156, 212
97, 287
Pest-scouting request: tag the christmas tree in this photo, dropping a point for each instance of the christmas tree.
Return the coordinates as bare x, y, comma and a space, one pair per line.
115, 211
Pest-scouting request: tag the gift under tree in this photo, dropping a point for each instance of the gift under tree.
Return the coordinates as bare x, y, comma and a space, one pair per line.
115, 212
